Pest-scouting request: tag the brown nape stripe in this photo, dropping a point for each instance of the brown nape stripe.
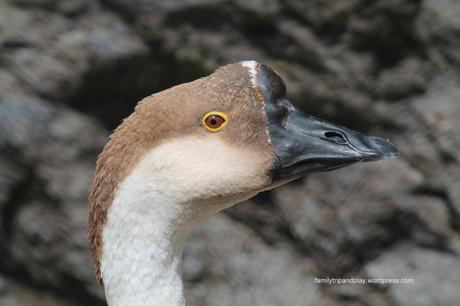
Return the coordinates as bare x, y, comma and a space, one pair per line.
113, 165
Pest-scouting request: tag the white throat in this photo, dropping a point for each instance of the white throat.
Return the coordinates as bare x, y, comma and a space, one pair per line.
153, 211
142, 249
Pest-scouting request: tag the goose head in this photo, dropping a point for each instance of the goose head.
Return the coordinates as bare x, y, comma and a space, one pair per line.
197, 148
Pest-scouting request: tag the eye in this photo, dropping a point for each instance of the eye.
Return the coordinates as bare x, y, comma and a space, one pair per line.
214, 121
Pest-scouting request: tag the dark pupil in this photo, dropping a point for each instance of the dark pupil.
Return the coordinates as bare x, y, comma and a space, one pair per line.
213, 121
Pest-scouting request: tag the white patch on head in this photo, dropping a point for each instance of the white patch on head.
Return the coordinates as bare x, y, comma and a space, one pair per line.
252, 68
268, 135
173, 187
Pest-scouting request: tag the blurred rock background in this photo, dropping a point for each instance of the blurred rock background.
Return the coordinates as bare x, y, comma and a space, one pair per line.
70, 70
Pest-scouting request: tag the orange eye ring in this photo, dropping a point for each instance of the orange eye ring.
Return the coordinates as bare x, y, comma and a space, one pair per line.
214, 121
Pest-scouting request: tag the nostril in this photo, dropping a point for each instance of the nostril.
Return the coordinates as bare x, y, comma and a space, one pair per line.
335, 137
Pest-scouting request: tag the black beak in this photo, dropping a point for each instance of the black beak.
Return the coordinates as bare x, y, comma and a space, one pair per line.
304, 143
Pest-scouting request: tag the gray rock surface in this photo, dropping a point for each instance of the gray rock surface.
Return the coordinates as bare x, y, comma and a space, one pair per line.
71, 70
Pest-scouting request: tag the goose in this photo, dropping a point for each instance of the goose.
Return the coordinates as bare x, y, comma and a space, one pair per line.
190, 151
